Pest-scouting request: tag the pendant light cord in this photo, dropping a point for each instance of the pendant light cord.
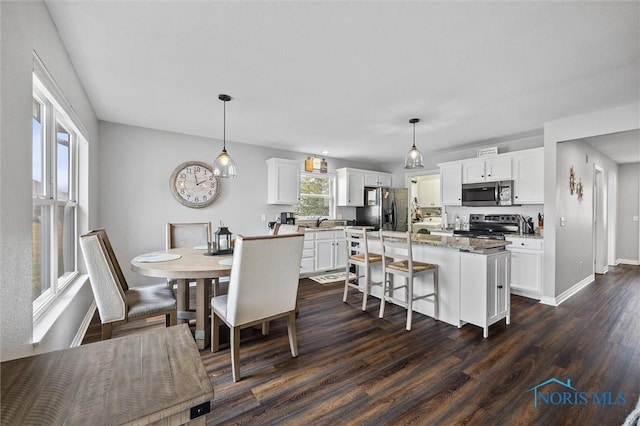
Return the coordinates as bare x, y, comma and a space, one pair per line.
414, 135
224, 126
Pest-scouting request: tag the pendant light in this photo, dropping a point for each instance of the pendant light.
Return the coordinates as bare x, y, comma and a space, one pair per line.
413, 160
224, 166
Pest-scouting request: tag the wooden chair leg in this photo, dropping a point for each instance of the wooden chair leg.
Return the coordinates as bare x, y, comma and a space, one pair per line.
436, 298
291, 329
235, 353
106, 331
215, 333
409, 294
171, 319
265, 328
365, 293
346, 284
385, 276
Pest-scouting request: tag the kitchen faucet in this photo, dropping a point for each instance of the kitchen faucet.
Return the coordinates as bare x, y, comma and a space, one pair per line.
320, 220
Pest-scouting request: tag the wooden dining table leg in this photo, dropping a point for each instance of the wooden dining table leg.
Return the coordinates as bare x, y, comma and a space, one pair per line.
203, 308
182, 300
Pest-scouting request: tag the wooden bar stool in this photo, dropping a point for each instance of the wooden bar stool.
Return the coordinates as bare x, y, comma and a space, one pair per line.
358, 255
396, 249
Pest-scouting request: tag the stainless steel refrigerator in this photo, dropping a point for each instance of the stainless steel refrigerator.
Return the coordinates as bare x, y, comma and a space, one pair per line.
385, 208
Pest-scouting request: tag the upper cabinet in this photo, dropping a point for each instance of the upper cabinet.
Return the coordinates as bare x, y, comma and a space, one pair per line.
350, 187
377, 179
528, 172
525, 168
351, 183
487, 170
283, 181
451, 184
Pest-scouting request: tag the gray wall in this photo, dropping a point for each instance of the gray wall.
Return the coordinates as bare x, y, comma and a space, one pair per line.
575, 238
135, 202
628, 231
27, 27
559, 265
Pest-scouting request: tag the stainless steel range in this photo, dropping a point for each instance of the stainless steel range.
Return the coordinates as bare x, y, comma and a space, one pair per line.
493, 226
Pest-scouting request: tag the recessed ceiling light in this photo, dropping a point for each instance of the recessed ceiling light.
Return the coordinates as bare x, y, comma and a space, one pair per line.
325, 152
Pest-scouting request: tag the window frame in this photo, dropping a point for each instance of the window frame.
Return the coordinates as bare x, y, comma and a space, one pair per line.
331, 196
52, 113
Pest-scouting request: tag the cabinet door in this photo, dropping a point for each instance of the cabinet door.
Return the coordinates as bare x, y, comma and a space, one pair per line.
324, 255
340, 254
473, 171
283, 186
355, 188
451, 184
498, 169
526, 270
385, 180
528, 171
371, 179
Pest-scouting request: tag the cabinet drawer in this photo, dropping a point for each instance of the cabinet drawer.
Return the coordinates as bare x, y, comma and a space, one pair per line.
309, 245
309, 236
311, 252
327, 235
525, 243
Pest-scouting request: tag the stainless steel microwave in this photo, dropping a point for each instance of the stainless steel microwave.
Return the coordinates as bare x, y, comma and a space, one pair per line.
498, 193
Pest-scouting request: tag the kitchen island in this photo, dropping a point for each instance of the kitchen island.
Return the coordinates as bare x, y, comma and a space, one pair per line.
473, 278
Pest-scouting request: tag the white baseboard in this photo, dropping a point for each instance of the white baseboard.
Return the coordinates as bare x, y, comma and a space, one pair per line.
556, 301
628, 262
84, 326
526, 293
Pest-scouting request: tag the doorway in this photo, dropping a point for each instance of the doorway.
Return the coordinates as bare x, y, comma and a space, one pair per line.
425, 211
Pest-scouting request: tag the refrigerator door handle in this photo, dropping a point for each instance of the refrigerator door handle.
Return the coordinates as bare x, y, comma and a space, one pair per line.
393, 215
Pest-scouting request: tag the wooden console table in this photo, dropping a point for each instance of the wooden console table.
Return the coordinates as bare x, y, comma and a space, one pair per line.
154, 376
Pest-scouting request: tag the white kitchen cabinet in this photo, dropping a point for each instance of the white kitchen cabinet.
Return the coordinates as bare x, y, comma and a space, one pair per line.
330, 250
526, 266
308, 261
487, 170
283, 181
484, 289
429, 192
377, 179
528, 172
350, 187
451, 184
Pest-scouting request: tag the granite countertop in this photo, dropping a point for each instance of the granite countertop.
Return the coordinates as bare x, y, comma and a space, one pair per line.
460, 243
333, 228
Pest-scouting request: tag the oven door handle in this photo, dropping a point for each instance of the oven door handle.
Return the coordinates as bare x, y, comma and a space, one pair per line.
496, 192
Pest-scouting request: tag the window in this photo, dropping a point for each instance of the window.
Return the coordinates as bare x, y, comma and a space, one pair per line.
316, 196
55, 197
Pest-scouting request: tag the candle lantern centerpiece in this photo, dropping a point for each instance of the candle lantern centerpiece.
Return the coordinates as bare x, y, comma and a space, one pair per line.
222, 239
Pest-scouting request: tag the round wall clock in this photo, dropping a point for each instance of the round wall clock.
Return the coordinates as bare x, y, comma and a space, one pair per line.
194, 185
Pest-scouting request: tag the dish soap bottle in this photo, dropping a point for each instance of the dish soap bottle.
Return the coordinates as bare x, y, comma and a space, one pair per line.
456, 226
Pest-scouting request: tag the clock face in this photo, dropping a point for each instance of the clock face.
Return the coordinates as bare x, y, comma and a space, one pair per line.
194, 185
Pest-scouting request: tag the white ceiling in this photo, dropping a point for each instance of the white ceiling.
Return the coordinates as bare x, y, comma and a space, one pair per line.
346, 77
623, 147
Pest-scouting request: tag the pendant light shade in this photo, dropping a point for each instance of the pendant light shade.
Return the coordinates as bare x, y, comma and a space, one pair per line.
224, 166
413, 159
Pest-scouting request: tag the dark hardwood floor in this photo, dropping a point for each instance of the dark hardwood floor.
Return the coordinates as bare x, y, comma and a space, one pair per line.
354, 368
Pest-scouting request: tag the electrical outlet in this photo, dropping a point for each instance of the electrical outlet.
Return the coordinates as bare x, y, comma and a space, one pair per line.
563, 221
580, 265
263, 217
635, 218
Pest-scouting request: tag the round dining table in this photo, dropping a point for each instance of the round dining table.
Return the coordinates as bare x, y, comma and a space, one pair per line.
192, 264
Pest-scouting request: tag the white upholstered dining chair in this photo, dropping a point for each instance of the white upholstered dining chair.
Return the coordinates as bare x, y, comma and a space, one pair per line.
284, 229
263, 286
117, 302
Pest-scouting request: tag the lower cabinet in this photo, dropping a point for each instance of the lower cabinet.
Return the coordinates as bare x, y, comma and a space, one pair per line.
323, 251
484, 288
330, 250
526, 266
